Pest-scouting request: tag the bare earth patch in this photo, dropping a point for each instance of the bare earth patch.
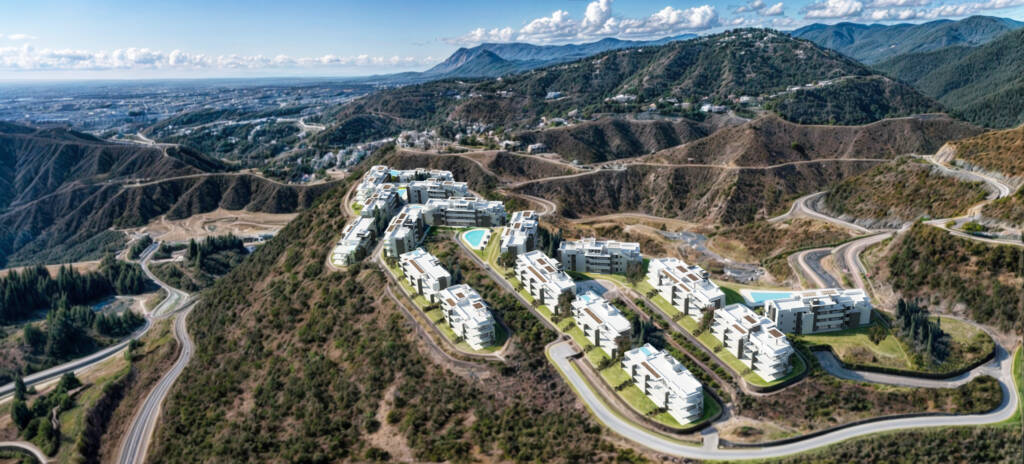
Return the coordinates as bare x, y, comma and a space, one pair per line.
218, 222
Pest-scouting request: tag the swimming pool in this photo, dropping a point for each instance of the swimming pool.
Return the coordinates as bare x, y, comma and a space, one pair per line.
475, 237
756, 297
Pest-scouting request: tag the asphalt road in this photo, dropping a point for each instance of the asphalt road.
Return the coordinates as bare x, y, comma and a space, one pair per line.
810, 263
28, 447
560, 351
136, 443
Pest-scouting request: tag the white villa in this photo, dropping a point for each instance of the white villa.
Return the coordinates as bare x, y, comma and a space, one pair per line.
521, 234
464, 212
357, 235
424, 273
600, 256
754, 340
600, 322
421, 191
468, 315
405, 232
666, 382
686, 287
543, 278
815, 311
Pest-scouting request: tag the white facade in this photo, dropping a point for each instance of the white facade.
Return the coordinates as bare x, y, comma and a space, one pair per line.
464, 212
686, 287
815, 311
385, 198
424, 273
543, 278
405, 232
754, 340
666, 382
600, 256
468, 315
374, 177
421, 191
356, 236
600, 322
521, 234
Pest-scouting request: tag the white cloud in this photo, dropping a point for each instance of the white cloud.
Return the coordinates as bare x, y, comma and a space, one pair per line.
18, 37
27, 57
893, 3
829, 9
598, 21
889, 14
774, 10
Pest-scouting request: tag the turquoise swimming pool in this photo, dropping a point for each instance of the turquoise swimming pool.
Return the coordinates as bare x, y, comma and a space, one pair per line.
760, 296
474, 237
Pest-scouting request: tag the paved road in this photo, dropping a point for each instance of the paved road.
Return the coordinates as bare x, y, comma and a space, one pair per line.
27, 447
1000, 188
850, 257
560, 351
802, 207
136, 443
809, 262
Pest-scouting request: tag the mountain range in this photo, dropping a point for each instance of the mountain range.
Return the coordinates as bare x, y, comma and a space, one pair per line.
872, 43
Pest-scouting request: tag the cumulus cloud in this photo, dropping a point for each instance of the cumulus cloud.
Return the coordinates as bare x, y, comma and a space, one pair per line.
830, 9
17, 37
598, 21
27, 57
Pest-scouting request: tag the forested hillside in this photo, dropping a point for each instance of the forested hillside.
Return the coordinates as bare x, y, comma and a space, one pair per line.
612, 138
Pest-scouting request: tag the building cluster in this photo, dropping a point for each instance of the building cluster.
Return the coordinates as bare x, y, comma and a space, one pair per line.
602, 324
464, 310
520, 235
754, 340
815, 311
356, 238
666, 382
464, 212
599, 256
686, 287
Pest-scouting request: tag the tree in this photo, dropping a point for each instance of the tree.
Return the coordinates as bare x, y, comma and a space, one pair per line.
564, 303
706, 318
19, 388
34, 337
635, 272
20, 414
507, 259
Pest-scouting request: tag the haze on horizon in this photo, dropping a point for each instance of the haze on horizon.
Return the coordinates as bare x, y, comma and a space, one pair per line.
114, 39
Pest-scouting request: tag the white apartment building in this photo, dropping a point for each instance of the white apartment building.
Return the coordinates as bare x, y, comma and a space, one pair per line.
666, 382
405, 232
825, 310
521, 234
542, 277
686, 287
754, 340
377, 175
385, 198
464, 212
600, 322
468, 315
421, 191
424, 273
356, 236
600, 256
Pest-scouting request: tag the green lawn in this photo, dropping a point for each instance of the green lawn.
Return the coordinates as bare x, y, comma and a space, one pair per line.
1018, 378
854, 345
357, 207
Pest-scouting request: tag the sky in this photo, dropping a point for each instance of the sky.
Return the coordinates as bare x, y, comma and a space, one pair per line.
112, 39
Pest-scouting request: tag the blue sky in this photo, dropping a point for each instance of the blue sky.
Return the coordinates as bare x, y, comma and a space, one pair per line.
44, 39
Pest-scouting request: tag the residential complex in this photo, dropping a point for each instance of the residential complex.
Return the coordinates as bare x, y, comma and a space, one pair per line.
686, 287
468, 315
754, 340
815, 311
421, 191
543, 278
356, 237
600, 322
600, 256
666, 382
405, 232
424, 273
464, 212
386, 199
521, 234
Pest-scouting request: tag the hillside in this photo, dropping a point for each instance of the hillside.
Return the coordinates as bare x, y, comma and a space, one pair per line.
66, 191
753, 62
902, 191
298, 364
613, 138
996, 151
770, 140
496, 59
856, 100
871, 43
984, 85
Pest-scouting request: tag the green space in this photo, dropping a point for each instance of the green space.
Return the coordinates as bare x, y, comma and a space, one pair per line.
436, 317
1018, 378
356, 207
